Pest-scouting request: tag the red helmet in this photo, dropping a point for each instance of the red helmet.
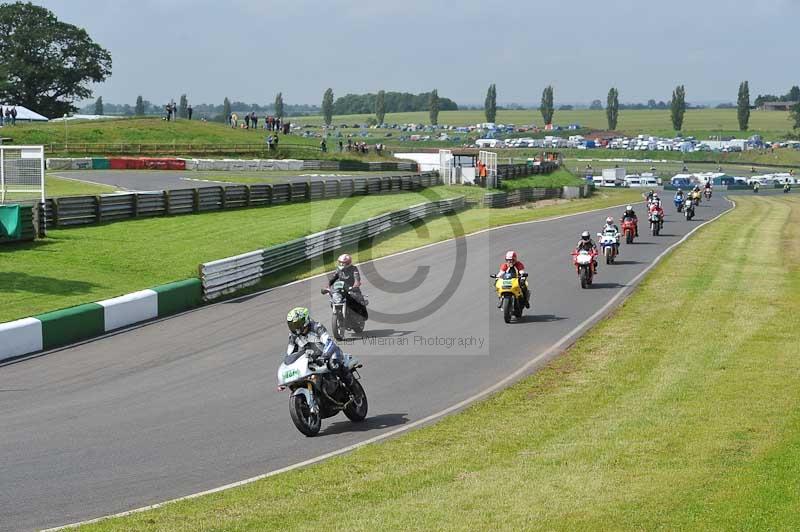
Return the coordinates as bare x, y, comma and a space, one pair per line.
344, 261
511, 256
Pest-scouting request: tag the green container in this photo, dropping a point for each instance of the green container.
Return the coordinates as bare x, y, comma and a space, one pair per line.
100, 163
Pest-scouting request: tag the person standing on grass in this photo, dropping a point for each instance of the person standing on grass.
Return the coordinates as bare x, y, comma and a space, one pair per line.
13, 116
189, 111
1, 116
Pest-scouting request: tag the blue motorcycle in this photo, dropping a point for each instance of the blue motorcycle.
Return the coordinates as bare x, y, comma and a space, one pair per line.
679, 202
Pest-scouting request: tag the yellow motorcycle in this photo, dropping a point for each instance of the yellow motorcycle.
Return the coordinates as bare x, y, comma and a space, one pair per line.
509, 293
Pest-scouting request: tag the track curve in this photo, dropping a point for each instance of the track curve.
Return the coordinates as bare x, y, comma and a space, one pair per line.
189, 403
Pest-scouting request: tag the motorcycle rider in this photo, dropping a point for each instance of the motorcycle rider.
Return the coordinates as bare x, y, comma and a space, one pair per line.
756, 186
612, 228
511, 263
587, 244
347, 272
695, 195
304, 330
679, 195
656, 207
629, 213
649, 196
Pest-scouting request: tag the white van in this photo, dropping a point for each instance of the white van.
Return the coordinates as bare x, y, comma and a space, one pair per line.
633, 181
488, 143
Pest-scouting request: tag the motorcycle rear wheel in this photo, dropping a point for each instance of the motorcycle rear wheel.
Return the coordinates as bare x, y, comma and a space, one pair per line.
357, 410
306, 422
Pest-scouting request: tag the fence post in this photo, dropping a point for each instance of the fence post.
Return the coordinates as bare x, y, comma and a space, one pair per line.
308, 190
135, 205
247, 195
196, 200
166, 203
98, 209
222, 202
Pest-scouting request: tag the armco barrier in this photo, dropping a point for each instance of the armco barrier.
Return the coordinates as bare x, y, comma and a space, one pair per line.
82, 210
74, 324
228, 165
223, 276
499, 200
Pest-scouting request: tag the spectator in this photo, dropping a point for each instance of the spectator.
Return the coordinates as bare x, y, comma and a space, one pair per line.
270, 140
1, 116
13, 116
8, 116
286, 127
189, 111
278, 124
341, 146
323, 146
168, 111
247, 120
234, 119
254, 120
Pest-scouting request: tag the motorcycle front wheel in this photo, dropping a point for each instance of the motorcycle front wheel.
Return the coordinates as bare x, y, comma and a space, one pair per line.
507, 309
584, 276
629, 237
337, 324
357, 410
306, 422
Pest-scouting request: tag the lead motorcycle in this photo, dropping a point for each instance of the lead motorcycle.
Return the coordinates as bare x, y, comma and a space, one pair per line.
345, 315
314, 378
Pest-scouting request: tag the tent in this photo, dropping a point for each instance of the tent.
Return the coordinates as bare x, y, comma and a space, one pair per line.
23, 113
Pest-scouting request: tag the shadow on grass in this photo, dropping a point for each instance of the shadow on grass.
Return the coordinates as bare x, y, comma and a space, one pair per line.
15, 282
382, 421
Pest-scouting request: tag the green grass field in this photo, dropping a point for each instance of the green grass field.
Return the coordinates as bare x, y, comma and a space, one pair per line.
74, 266
634, 428
700, 122
56, 186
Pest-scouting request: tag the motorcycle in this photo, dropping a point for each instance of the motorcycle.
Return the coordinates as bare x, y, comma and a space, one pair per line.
583, 261
655, 222
317, 391
629, 230
678, 203
695, 199
509, 294
755, 188
609, 241
344, 317
786, 188
688, 212
707, 194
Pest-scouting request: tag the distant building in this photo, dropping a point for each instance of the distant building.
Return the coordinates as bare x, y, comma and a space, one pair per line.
778, 106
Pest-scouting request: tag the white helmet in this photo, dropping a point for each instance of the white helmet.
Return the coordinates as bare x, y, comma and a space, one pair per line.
629, 208
609, 220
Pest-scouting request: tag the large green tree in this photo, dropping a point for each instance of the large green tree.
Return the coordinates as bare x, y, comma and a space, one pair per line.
678, 107
490, 104
612, 108
794, 94
98, 106
327, 106
546, 106
279, 105
226, 109
433, 107
139, 109
380, 106
743, 106
49, 63
183, 105
794, 115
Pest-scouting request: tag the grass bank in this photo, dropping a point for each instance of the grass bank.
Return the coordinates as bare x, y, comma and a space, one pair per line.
633, 428
73, 266
560, 178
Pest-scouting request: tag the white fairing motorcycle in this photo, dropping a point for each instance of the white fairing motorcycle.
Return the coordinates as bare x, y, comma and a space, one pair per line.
317, 390
609, 240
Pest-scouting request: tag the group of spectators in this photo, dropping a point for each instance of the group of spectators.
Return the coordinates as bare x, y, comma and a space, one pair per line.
250, 121
8, 116
358, 147
172, 112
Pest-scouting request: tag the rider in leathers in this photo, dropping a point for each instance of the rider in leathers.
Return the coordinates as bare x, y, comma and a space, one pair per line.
629, 213
346, 271
587, 244
303, 330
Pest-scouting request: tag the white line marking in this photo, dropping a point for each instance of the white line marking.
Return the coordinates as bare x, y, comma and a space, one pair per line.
519, 373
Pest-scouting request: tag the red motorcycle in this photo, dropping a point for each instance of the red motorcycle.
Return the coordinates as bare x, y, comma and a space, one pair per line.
584, 262
629, 230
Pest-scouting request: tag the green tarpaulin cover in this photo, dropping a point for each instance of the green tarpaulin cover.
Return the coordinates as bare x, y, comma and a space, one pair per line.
10, 222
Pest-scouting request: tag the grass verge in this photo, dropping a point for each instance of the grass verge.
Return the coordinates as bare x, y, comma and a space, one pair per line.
56, 187
630, 429
74, 266
560, 178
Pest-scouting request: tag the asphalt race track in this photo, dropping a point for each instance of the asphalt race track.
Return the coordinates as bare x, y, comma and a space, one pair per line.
147, 180
190, 403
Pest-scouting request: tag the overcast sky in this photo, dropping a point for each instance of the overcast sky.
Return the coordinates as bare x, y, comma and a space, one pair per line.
248, 50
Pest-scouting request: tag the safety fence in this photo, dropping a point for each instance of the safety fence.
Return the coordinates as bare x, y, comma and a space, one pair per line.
514, 171
91, 148
227, 165
84, 210
499, 200
228, 275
